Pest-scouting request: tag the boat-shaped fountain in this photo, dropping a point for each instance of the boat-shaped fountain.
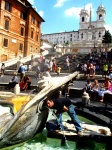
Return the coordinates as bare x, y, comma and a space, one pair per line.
20, 124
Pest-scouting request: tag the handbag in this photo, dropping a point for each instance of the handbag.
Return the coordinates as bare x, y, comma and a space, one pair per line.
19, 70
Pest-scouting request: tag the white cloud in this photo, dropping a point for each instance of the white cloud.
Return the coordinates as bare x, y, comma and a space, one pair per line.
75, 11
41, 13
60, 3
31, 1
109, 27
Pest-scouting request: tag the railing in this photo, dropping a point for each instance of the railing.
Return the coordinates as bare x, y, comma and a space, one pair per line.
15, 60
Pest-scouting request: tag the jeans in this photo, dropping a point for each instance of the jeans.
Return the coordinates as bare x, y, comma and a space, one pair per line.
71, 112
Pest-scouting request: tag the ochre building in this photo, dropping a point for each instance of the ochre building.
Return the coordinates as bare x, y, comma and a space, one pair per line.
20, 29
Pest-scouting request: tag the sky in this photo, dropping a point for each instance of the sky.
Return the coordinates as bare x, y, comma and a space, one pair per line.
63, 15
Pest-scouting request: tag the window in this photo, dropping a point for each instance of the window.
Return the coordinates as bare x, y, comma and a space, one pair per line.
37, 38
7, 24
23, 15
5, 44
38, 24
21, 46
36, 50
31, 48
8, 6
82, 19
100, 17
22, 31
82, 36
33, 20
99, 34
32, 34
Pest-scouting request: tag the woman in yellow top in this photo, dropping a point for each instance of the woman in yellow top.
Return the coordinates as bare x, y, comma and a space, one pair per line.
58, 70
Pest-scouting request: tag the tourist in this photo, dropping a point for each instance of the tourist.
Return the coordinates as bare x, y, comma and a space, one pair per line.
46, 65
54, 66
88, 86
110, 72
105, 70
13, 81
30, 67
2, 69
78, 67
41, 58
64, 105
88, 70
25, 83
38, 71
67, 58
93, 71
47, 73
94, 89
85, 70
58, 70
51, 65
91, 68
22, 72
104, 89
68, 66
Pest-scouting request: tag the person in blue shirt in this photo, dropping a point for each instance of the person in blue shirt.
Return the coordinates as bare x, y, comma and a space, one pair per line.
23, 70
13, 81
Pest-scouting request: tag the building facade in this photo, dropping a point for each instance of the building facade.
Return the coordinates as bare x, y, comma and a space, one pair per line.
87, 38
20, 29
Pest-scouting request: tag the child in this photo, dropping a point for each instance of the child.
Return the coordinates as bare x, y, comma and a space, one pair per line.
58, 70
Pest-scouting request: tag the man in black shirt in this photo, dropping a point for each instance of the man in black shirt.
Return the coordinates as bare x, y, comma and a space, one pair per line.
64, 105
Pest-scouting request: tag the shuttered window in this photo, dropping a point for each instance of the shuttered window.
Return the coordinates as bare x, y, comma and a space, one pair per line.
5, 44
7, 24
8, 6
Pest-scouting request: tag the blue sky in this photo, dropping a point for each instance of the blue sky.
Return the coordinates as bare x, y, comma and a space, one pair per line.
63, 15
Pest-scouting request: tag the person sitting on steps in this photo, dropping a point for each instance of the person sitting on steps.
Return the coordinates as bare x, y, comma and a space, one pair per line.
25, 83
104, 89
88, 86
94, 89
13, 81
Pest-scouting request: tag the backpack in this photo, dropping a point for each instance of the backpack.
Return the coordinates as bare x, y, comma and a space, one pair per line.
19, 70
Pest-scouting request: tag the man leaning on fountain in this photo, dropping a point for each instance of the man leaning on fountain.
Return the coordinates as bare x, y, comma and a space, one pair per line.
64, 105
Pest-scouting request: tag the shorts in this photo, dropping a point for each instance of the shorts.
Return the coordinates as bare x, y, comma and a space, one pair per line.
88, 71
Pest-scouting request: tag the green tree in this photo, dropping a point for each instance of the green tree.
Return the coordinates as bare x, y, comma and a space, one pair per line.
107, 38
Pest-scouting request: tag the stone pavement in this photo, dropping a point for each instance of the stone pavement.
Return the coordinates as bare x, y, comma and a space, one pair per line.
6, 78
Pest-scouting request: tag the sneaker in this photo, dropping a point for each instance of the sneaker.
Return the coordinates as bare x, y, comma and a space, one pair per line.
79, 133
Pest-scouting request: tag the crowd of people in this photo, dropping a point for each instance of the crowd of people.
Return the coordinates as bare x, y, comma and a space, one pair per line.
97, 63
96, 88
43, 66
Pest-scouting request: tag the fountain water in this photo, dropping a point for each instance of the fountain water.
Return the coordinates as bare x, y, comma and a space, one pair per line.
64, 139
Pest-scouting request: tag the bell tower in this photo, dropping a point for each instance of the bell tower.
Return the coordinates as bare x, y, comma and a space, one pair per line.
84, 17
101, 13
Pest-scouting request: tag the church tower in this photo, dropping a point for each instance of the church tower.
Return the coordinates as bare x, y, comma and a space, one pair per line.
84, 17
101, 13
